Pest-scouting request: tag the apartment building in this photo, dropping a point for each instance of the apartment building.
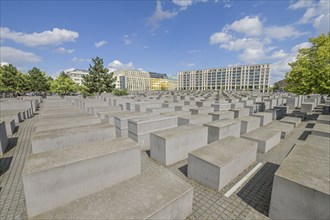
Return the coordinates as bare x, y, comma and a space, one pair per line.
137, 80
76, 75
249, 77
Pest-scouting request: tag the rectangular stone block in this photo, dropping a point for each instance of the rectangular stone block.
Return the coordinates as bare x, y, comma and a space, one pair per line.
222, 115
222, 128
266, 138
52, 124
321, 141
291, 120
160, 110
265, 118
172, 145
3, 138
236, 105
322, 130
292, 102
285, 128
218, 163
55, 178
199, 119
307, 107
68, 137
238, 113
323, 119
221, 106
155, 194
249, 123
201, 110
139, 129
301, 184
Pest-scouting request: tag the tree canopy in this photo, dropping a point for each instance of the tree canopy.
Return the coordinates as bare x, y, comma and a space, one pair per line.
64, 84
99, 79
38, 80
310, 73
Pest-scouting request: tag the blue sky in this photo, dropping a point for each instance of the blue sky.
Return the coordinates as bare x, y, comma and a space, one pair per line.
159, 36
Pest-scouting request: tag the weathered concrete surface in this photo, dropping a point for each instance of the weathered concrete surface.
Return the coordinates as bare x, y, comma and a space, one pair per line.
323, 119
265, 137
285, 128
320, 141
157, 194
139, 129
222, 115
51, 124
301, 185
222, 128
265, 118
62, 138
291, 120
322, 130
238, 113
3, 138
249, 123
199, 119
172, 145
216, 164
54, 178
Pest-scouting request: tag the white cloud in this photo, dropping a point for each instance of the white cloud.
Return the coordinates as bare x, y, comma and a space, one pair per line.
160, 15
80, 60
117, 65
219, 37
100, 43
301, 45
17, 57
251, 55
62, 50
69, 69
183, 63
282, 32
278, 54
50, 37
126, 39
251, 26
242, 43
300, 4
4, 63
183, 3
317, 13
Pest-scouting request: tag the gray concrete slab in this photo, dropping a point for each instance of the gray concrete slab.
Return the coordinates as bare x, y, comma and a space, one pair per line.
265, 118
291, 120
199, 119
222, 115
238, 113
266, 138
67, 137
301, 185
3, 138
216, 164
322, 130
285, 128
249, 123
323, 119
222, 128
157, 194
68, 174
173, 145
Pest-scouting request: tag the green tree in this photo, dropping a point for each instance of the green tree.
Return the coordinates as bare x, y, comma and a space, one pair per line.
38, 81
99, 79
120, 92
9, 76
23, 82
310, 73
64, 85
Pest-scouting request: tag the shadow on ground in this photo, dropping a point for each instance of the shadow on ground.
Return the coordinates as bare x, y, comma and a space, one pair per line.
12, 142
257, 192
5, 164
184, 169
304, 135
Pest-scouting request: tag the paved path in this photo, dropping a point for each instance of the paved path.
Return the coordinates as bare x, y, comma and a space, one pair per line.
250, 201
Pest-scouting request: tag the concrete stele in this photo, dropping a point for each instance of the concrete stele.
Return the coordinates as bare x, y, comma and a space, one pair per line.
218, 163
156, 194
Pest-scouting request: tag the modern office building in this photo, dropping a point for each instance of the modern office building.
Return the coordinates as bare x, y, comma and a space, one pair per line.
137, 80
76, 75
250, 77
